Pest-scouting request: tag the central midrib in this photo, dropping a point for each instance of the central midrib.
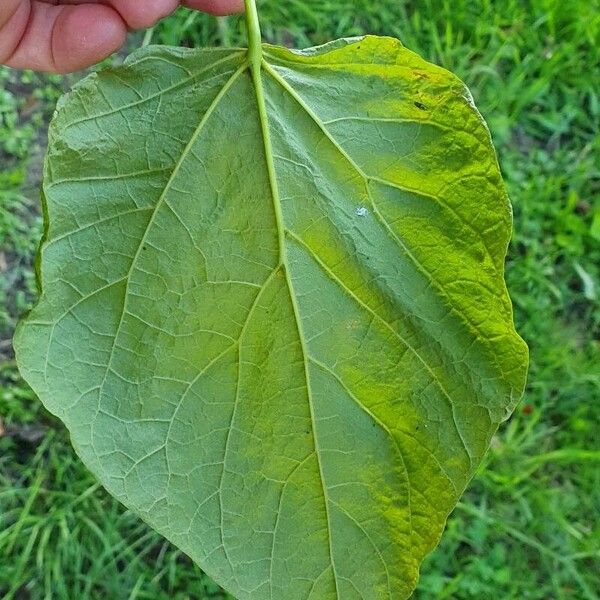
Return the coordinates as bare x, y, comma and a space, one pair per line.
256, 70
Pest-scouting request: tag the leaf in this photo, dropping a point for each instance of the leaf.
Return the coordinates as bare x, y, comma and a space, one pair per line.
273, 314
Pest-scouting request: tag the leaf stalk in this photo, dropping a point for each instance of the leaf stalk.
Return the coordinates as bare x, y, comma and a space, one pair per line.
254, 35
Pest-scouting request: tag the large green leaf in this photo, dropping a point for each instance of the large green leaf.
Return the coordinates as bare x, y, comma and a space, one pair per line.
273, 313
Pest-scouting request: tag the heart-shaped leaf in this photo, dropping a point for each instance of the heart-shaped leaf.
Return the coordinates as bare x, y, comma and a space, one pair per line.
273, 314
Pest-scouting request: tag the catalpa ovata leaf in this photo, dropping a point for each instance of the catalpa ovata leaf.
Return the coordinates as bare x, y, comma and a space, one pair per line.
273, 313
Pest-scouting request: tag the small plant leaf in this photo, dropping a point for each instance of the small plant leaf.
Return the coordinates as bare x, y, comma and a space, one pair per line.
273, 313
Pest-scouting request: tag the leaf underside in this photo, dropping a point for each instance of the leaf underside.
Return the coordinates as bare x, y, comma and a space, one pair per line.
273, 313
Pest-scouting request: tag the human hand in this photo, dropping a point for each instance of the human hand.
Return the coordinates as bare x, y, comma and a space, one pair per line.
61, 36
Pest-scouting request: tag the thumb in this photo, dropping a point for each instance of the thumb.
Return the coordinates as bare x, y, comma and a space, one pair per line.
62, 38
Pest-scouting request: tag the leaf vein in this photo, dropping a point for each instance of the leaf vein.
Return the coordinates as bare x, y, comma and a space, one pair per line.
269, 157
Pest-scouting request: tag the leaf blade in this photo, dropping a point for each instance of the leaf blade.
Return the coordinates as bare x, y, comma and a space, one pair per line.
294, 390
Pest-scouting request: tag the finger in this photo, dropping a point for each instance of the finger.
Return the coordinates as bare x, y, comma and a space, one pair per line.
62, 39
142, 14
14, 16
138, 14
216, 7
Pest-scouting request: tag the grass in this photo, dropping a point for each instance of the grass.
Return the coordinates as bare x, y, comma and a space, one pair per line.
528, 526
